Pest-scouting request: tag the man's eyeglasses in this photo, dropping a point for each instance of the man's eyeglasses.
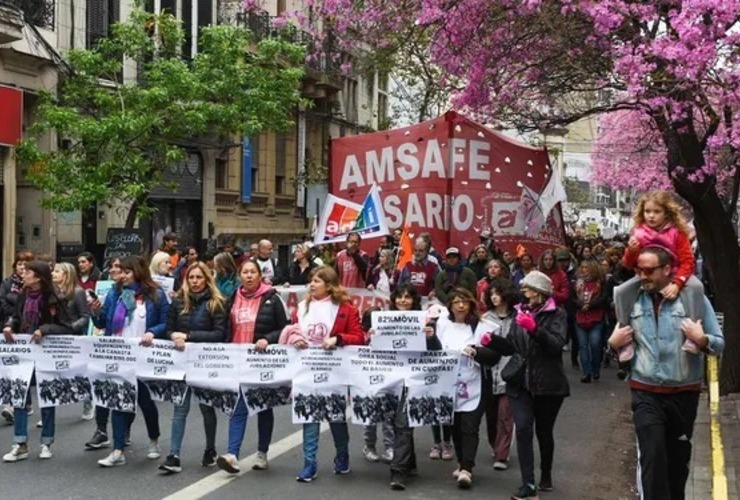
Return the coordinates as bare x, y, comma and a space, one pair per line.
647, 271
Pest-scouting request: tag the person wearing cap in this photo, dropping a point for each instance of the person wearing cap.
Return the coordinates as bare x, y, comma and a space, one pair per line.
537, 393
453, 275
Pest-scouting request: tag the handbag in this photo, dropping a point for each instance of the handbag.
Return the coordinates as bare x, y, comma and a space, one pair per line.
514, 369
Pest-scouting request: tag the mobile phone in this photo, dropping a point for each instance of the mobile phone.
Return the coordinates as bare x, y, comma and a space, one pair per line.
92, 295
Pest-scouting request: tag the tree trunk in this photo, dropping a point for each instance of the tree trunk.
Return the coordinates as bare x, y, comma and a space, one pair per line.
132, 213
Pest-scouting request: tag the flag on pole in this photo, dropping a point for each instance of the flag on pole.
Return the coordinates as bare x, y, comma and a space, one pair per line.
341, 217
553, 194
371, 219
405, 249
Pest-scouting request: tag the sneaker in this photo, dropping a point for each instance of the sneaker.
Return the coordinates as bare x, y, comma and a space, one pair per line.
398, 482
435, 453
99, 440
448, 453
115, 459
45, 452
500, 465
7, 414
308, 473
171, 464
525, 492
464, 479
456, 473
387, 456
341, 464
597, 376
154, 451
229, 463
17, 452
88, 411
586, 379
40, 424
545, 484
370, 454
260, 463
209, 458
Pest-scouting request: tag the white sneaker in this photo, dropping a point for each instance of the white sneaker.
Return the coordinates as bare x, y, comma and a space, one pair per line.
154, 452
40, 424
464, 479
500, 465
17, 452
370, 454
387, 456
88, 411
260, 463
45, 452
7, 414
113, 460
456, 473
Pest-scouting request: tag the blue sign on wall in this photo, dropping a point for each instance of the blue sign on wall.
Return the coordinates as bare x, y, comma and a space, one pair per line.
246, 170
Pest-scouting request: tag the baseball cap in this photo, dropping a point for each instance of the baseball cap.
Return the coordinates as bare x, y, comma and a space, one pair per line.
452, 251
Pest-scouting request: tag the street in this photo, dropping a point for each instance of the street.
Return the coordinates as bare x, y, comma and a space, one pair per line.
593, 460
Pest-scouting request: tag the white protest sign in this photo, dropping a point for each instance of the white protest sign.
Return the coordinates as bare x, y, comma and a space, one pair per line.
266, 376
162, 368
112, 372
376, 379
320, 386
16, 369
431, 384
398, 331
213, 374
61, 370
167, 284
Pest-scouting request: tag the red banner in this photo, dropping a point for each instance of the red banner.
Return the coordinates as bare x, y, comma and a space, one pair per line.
11, 116
450, 177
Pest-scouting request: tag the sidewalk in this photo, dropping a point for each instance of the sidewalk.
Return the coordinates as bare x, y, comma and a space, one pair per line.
699, 484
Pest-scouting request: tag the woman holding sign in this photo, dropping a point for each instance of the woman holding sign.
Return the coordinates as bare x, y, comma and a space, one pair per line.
39, 311
406, 298
535, 378
257, 317
463, 331
198, 314
325, 317
135, 308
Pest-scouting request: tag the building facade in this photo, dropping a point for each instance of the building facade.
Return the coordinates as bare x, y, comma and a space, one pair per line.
254, 191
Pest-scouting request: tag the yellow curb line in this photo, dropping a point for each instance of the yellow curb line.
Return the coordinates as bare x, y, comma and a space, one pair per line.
719, 476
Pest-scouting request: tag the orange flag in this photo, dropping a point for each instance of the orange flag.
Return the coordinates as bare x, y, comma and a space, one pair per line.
405, 249
520, 250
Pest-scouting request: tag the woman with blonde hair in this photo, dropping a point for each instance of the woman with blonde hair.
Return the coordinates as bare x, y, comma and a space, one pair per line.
302, 266
64, 278
383, 277
326, 317
199, 313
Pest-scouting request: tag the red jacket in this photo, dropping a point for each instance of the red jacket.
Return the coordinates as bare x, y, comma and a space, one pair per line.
674, 241
560, 286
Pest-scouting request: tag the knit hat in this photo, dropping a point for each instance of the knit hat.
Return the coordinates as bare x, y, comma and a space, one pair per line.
562, 255
537, 281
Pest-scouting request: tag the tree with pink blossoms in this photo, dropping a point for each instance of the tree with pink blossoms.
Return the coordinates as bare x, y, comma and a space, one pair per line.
537, 64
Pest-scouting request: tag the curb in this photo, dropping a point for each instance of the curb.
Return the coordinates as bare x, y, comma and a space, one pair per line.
719, 474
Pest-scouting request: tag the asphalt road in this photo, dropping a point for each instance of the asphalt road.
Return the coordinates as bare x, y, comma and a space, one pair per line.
588, 464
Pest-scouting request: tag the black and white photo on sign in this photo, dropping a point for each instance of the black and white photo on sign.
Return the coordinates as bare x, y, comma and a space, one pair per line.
163, 368
431, 383
213, 374
114, 388
318, 402
320, 385
16, 370
264, 396
266, 376
61, 370
398, 330
376, 383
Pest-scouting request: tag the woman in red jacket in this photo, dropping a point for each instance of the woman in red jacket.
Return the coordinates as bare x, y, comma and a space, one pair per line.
326, 317
548, 264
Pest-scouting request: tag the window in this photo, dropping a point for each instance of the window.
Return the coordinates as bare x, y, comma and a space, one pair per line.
222, 172
280, 184
101, 14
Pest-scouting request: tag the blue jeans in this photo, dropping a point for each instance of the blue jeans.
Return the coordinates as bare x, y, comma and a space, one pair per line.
339, 431
179, 417
238, 426
590, 348
121, 421
20, 425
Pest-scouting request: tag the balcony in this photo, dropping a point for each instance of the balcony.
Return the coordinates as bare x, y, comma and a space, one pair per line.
38, 13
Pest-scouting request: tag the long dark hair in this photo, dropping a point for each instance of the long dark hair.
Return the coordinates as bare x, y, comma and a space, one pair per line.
139, 266
95, 271
43, 273
507, 292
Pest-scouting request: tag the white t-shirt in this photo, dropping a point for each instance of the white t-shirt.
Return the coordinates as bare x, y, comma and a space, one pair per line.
268, 270
316, 324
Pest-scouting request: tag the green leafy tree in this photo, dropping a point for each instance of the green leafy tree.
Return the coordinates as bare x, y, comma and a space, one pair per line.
119, 136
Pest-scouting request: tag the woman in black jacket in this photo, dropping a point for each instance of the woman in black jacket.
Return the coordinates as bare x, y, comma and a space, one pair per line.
41, 312
257, 317
198, 314
537, 391
302, 266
